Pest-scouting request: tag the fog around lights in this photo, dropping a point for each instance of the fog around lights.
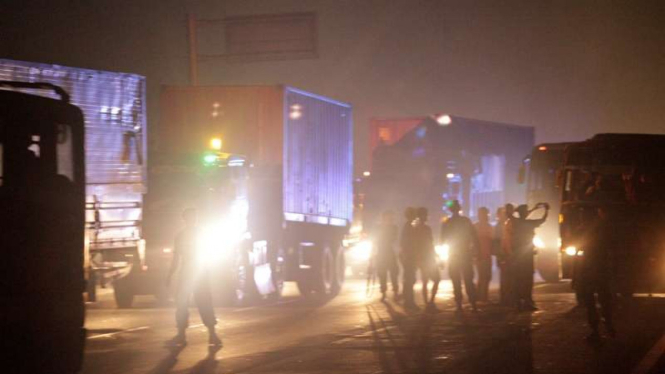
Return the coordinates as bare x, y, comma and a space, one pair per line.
442, 251
571, 250
362, 251
444, 120
217, 240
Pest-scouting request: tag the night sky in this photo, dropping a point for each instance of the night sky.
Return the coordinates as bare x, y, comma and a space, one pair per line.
569, 68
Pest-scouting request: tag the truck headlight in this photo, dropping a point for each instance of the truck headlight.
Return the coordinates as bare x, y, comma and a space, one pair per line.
362, 251
571, 250
215, 242
442, 251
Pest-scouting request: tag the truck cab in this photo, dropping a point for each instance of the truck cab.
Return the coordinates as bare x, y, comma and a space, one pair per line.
42, 220
624, 175
540, 172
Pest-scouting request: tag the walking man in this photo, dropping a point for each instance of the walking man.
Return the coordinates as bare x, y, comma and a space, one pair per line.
192, 280
522, 257
459, 234
385, 241
426, 258
407, 256
485, 233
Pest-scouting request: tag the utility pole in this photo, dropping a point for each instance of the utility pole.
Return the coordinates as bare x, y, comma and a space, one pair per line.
193, 59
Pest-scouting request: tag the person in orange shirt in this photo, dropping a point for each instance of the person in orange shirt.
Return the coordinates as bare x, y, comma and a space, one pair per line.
484, 260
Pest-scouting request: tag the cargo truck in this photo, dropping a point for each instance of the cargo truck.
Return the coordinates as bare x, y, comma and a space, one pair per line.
270, 170
439, 158
623, 175
115, 158
446, 157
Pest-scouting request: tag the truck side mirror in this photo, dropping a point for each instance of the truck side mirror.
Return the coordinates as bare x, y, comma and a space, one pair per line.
521, 176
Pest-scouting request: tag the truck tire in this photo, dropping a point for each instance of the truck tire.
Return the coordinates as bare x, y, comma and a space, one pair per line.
304, 288
323, 272
123, 293
340, 270
91, 286
278, 282
319, 279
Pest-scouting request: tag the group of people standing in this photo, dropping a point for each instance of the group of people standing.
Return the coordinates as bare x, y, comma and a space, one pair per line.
468, 246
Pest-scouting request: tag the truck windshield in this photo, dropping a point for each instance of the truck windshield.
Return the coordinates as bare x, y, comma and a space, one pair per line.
32, 156
543, 169
616, 177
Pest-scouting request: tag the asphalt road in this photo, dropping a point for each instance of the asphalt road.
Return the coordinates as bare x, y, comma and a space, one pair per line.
355, 334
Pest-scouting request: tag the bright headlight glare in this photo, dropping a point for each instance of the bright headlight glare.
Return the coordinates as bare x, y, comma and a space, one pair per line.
362, 251
571, 250
538, 242
216, 241
443, 251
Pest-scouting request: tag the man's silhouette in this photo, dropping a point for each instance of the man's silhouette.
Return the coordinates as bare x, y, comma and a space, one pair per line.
192, 279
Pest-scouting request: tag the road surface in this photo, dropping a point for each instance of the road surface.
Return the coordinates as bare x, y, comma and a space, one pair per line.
355, 334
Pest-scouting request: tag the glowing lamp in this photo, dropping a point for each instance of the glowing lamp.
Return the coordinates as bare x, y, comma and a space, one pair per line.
444, 120
216, 144
571, 251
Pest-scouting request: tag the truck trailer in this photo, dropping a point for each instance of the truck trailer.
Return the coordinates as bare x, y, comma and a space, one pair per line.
269, 168
444, 158
113, 105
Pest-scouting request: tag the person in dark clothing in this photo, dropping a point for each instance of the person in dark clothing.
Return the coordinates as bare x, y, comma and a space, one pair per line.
523, 252
595, 274
385, 240
426, 258
407, 257
500, 255
485, 233
192, 279
459, 234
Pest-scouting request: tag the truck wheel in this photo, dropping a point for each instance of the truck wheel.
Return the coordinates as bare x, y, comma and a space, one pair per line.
340, 270
323, 272
91, 286
304, 287
278, 282
123, 293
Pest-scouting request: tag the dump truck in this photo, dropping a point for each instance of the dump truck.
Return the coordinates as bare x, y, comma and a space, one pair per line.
269, 168
623, 175
114, 108
42, 200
